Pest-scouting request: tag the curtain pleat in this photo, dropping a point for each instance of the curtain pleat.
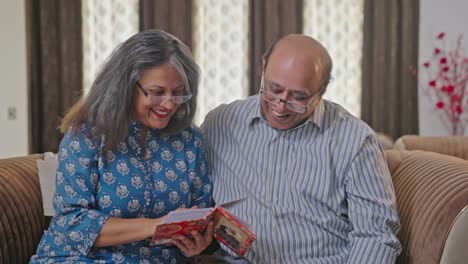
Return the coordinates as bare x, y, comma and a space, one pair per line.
173, 16
54, 67
270, 20
390, 95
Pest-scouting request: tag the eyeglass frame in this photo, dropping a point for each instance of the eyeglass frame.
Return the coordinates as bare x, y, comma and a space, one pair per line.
164, 97
286, 102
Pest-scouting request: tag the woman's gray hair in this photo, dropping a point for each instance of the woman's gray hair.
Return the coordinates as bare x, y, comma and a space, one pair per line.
109, 104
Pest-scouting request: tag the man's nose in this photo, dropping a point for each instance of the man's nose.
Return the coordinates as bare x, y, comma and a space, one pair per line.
281, 105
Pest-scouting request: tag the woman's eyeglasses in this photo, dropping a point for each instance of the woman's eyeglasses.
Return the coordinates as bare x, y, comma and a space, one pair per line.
161, 99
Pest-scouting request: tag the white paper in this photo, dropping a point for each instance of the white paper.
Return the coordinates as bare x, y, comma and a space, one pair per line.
46, 169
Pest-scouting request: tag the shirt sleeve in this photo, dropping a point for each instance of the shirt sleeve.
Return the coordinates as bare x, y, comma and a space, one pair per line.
201, 185
372, 207
77, 221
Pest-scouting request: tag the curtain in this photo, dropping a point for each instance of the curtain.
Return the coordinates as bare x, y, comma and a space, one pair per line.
173, 16
390, 95
270, 20
54, 67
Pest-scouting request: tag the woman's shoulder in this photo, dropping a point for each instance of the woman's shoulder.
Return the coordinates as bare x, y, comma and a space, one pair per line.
193, 130
79, 135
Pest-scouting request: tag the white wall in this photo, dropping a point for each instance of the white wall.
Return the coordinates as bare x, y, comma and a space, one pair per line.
13, 79
436, 16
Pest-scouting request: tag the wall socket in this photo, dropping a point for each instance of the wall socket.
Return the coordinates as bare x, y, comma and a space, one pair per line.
11, 113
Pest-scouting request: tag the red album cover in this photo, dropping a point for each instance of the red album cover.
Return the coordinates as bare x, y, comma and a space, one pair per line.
231, 232
164, 232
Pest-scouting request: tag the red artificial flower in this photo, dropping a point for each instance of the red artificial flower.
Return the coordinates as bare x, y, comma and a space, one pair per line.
450, 89
426, 64
459, 109
445, 69
440, 104
441, 35
443, 60
432, 83
436, 51
454, 98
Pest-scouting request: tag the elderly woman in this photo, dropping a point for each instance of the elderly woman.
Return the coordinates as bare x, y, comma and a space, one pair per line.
129, 156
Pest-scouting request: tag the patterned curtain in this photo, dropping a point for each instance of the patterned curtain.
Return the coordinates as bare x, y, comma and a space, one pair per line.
389, 95
173, 16
338, 26
221, 50
270, 20
54, 67
106, 23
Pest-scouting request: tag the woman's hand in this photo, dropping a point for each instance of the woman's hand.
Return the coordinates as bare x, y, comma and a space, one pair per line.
191, 246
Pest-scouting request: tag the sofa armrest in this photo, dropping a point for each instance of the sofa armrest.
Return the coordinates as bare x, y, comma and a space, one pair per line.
455, 246
431, 191
22, 220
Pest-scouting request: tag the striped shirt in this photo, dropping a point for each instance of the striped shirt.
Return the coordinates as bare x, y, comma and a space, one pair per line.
317, 193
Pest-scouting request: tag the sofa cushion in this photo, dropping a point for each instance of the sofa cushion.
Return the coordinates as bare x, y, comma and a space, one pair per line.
47, 169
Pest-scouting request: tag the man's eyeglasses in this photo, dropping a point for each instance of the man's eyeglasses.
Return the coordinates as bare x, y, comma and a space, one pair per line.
161, 99
293, 106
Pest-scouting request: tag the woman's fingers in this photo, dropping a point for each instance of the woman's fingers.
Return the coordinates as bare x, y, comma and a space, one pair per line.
208, 235
194, 245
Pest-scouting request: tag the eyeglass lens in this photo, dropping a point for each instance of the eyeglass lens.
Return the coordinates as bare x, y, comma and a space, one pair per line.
290, 105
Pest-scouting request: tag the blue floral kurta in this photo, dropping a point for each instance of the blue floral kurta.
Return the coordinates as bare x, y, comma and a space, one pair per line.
92, 186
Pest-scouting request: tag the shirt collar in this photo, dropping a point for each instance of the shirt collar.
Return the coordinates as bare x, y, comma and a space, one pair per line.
317, 117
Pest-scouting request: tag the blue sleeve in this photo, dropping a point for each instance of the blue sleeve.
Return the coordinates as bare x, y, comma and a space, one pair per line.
201, 184
77, 222
372, 207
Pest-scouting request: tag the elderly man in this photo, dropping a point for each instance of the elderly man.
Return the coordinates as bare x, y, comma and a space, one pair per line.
313, 178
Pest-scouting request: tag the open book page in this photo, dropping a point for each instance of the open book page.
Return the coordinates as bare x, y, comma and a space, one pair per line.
185, 215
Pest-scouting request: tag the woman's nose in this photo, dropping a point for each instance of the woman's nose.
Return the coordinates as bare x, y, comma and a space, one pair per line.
168, 103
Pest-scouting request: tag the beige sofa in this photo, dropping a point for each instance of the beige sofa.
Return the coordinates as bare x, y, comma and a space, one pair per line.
431, 189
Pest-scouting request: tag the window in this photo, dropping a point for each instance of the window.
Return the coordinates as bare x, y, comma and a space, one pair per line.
221, 50
221, 47
337, 25
106, 23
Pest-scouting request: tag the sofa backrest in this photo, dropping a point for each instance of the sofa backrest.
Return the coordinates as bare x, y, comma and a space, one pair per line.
456, 146
431, 191
22, 220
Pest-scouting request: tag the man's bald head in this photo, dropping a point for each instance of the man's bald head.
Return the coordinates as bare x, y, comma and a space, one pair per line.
306, 49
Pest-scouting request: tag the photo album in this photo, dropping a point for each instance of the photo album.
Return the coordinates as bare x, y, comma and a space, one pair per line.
228, 230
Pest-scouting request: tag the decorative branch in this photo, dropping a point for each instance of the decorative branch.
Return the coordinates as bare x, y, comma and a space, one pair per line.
445, 83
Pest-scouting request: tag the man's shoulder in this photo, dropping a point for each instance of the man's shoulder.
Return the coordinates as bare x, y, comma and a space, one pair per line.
342, 116
345, 124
